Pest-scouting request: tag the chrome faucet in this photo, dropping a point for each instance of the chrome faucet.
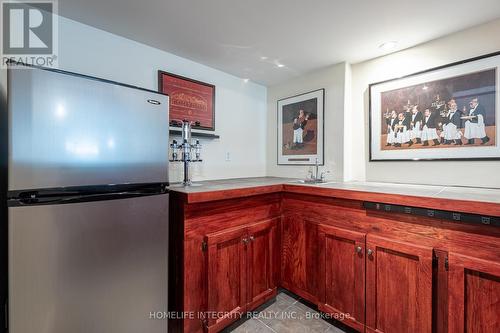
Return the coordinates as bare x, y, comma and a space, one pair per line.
317, 169
316, 177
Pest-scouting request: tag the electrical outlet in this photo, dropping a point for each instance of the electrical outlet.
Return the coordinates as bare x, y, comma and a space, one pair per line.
228, 156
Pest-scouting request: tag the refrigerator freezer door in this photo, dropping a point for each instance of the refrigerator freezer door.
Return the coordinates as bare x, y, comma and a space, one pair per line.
89, 267
68, 130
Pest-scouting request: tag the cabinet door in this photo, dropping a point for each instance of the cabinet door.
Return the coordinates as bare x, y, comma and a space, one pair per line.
342, 274
226, 278
398, 286
262, 261
299, 257
473, 295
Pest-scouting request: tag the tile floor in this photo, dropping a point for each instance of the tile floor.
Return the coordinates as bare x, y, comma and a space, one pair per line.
286, 314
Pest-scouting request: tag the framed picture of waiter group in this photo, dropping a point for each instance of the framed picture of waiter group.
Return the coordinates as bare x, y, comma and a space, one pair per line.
445, 113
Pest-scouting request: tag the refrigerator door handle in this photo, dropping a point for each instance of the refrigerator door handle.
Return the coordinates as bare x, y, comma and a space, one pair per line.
51, 200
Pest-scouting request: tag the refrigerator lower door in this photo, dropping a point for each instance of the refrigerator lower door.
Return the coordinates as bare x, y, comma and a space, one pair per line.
94, 267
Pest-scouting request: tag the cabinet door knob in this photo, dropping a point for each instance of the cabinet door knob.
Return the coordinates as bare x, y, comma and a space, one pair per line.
370, 252
245, 241
251, 238
358, 249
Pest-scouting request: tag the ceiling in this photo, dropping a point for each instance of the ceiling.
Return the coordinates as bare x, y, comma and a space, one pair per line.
249, 38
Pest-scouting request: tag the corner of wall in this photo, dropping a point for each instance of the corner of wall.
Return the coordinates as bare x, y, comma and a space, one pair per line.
245, 144
331, 78
438, 52
348, 135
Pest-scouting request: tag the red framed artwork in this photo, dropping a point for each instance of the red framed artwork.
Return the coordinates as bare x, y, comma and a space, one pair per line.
189, 99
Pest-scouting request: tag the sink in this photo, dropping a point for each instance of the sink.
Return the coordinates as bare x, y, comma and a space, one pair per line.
302, 181
327, 182
178, 185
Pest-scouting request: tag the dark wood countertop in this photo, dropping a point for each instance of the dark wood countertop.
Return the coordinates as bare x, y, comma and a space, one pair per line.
460, 199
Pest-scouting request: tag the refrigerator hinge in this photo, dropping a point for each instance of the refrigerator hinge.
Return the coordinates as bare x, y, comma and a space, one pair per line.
204, 246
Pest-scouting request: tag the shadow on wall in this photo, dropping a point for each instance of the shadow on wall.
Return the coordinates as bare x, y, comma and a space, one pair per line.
3, 194
365, 122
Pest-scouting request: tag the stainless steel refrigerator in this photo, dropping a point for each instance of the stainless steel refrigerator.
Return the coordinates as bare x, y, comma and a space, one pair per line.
87, 204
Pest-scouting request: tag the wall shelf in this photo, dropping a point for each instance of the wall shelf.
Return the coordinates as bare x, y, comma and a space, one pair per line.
178, 132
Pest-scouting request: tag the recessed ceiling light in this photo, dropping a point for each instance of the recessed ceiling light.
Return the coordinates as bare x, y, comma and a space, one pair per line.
246, 80
280, 65
263, 58
388, 45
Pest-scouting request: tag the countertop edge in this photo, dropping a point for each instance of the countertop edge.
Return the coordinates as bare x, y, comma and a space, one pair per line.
430, 202
456, 205
224, 194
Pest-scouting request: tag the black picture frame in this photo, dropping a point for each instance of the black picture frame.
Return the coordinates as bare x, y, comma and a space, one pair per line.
430, 70
321, 151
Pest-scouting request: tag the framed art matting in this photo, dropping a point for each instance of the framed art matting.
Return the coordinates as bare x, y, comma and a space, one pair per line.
301, 129
445, 113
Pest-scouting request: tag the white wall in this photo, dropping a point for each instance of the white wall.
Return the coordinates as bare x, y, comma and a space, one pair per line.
246, 115
240, 107
459, 46
333, 80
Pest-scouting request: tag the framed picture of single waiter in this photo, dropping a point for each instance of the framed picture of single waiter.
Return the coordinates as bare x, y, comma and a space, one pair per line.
301, 129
